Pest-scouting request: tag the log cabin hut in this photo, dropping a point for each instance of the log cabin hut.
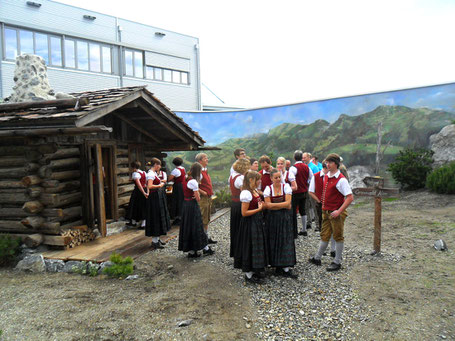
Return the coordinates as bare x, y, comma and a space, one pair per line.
65, 163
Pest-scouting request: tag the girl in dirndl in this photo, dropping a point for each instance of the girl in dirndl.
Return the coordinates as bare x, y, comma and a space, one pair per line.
162, 196
156, 222
138, 200
240, 167
178, 176
192, 236
251, 251
279, 227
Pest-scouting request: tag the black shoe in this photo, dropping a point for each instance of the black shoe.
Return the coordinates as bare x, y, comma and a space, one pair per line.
309, 226
333, 254
333, 267
157, 246
315, 261
303, 233
254, 279
289, 274
208, 252
194, 255
161, 242
211, 241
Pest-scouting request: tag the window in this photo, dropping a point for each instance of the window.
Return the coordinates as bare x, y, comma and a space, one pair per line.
129, 70
167, 75
107, 64
184, 77
158, 73
175, 76
149, 72
41, 46
138, 68
10, 43
95, 57
82, 55
26, 41
70, 53
56, 51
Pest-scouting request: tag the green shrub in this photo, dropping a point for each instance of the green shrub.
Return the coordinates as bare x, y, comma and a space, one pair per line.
411, 167
442, 179
223, 198
9, 248
121, 268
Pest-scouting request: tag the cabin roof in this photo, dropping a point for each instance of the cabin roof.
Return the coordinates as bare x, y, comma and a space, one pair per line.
101, 103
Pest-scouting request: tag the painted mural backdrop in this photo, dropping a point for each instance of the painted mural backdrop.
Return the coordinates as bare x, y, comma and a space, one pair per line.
347, 126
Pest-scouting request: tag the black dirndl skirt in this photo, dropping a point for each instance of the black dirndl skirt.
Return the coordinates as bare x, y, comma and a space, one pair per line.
236, 215
177, 200
154, 226
192, 236
164, 212
280, 238
251, 249
137, 206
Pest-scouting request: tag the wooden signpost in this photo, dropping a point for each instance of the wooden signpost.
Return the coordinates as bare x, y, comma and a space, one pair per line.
375, 188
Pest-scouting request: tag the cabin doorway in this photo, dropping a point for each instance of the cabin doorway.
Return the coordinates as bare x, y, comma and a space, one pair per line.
102, 185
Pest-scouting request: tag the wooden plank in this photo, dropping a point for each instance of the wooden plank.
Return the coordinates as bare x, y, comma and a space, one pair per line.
57, 240
114, 182
101, 214
11, 184
377, 225
58, 103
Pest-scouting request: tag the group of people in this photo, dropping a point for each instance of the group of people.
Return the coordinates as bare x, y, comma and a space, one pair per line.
265, 206
191, 204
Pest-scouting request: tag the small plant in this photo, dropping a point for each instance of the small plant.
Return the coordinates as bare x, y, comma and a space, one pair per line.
411, 167
86, 269
223, 198
121, 268
442, 179
9, 248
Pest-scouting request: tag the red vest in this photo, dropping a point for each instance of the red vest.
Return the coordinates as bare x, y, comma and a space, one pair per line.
332, 199
286, 178
318, 185
266, 180
277, 198
235, 192
156, 181
254, 202
180, 178
142, 179
206, 183
301, 178
188, 193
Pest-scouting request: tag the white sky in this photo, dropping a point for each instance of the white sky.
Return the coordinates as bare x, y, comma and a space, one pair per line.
257, 53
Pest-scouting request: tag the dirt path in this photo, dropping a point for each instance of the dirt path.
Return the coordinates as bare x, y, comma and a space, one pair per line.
412, 297
62, 306
408, 293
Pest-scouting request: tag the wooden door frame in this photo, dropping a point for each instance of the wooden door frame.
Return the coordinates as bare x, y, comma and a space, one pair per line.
96, 161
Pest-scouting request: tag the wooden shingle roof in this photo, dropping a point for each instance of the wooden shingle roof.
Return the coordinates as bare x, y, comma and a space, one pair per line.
101, 102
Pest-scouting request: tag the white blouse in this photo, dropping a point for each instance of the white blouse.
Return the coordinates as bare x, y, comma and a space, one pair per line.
287, 190
246, 196
192, 184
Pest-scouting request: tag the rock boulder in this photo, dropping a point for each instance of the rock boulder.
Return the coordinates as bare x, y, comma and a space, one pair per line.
443, 145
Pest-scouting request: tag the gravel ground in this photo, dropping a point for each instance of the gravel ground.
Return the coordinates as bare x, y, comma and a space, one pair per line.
318, 305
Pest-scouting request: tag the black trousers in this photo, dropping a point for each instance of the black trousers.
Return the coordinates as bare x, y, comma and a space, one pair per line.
298, 201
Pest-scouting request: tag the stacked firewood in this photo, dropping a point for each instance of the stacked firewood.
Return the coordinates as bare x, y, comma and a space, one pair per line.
78, 236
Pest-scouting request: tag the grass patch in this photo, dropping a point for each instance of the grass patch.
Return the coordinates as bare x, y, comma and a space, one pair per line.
390, 199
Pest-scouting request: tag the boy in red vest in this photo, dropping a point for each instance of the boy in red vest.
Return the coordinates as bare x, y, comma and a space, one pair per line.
266, 167
301, 174
336, 197
206, 192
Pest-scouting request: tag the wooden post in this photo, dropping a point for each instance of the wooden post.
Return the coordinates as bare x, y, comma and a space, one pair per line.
377, 224
101, 214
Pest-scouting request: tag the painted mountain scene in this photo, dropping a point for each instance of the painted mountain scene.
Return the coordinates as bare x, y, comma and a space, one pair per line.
347, 126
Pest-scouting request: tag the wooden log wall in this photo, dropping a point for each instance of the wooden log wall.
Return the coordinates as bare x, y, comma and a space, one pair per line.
40, 190
124, 183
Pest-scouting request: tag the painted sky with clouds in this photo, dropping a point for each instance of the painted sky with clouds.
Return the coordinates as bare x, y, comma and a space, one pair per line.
219, 127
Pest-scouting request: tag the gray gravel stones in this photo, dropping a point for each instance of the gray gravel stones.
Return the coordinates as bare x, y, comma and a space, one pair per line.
318, 305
